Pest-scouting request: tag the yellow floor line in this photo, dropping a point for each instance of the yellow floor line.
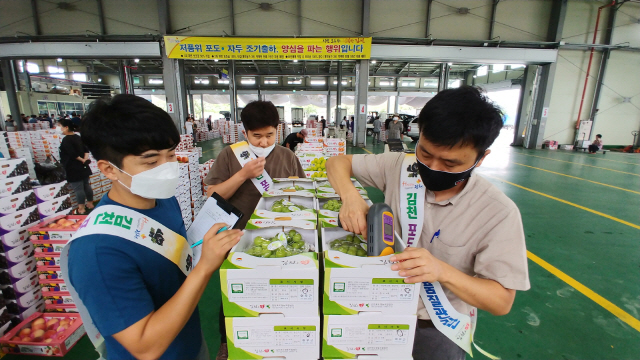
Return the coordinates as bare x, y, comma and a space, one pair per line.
365, 149
608, 305
571, 162
579, 178
635, 226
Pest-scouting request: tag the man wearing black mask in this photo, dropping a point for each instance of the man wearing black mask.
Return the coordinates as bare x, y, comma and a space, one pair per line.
466, 239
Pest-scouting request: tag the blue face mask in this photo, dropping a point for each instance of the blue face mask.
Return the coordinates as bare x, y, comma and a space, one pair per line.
436, 180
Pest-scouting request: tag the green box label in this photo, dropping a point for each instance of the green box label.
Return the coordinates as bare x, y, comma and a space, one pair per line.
336, 332
237, 289
295, 328
339, 287
388, 327
387, 281
243, 335
290, 281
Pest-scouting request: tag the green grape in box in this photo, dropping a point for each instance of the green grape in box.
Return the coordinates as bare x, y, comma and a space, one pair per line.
279, 246
351, 245
333, 205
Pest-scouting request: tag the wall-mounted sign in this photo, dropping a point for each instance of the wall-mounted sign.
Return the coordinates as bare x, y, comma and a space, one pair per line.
237, 48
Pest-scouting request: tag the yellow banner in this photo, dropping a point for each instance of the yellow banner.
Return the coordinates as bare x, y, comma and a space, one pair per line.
236, 48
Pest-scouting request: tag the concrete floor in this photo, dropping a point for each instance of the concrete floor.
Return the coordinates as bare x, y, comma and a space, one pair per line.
581, 217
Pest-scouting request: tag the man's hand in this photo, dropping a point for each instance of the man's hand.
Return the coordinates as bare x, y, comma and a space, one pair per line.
418, 265
353, 213
216, 246
254, 168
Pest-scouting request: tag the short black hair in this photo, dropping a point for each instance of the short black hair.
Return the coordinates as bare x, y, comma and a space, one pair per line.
599, 135
126, 125
259, 114
461, 116
73, 114
68, 123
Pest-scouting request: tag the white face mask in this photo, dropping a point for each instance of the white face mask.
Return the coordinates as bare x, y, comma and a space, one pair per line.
396, 119
260, 151
157, 183
58, 130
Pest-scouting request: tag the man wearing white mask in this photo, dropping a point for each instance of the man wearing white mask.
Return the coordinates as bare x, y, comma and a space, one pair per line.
395, 128
129, 267
243, 171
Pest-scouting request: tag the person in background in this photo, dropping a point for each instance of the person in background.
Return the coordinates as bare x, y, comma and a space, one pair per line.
294, 139
596, 144
48, 119
351, 124
343, 123
377, 125
395, 128
324, 125
9, 123
76, 120
33, 119
209, 123
140, 300
188, 126
24, 118
74, 157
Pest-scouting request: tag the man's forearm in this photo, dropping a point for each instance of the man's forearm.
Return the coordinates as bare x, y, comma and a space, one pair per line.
164, 325
485, 294
339, 172
228, 188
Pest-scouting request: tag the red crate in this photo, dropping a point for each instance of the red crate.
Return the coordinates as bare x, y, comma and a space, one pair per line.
63, 340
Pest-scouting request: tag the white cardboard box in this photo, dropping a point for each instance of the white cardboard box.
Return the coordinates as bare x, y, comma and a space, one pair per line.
14, 185
11, 204
52, 191
354, 284
368, 335
273, 336
252, 285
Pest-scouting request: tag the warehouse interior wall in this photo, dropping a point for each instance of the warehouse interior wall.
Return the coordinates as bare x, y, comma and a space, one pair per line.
516, 20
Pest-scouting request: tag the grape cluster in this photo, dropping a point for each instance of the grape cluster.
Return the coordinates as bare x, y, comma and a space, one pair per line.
332, 205
285, 206
281, 245
350, 244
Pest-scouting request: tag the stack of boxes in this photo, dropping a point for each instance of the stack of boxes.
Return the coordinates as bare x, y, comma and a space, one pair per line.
230, 132
204, 171
271, 305
54, 141
40, 125
334, 147
18, 211
49, 238
383, 132
40, 146
189, 191
54, 200
186, 143
100, 185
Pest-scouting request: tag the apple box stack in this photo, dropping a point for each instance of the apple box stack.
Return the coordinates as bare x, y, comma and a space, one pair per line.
204, 171
186, 143
48, 238
189, 190
334, 147
18, 211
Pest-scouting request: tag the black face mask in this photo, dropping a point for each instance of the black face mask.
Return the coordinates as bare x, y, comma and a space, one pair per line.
436, 180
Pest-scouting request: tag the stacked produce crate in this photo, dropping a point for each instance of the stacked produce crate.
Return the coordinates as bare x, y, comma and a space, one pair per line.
270, 280
189, 191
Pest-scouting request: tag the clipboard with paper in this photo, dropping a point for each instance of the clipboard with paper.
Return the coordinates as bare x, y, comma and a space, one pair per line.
215, 210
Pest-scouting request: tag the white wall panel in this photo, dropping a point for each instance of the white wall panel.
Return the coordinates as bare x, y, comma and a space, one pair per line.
15, 16
581, 21
250, 20
185, 13
522, 20
627, 27
566, 94
125, 17
446, 23
399, 18
343, 17
616, 119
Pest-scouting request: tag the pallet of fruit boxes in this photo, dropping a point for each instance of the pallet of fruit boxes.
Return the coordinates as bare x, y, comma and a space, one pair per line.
44, 335
49, 238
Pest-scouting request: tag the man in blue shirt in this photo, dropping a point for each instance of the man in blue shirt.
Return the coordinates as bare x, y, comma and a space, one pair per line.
141, 302
76, 120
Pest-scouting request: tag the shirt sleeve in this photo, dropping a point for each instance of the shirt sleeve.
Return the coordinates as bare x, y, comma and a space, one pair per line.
502, 254
109, 284
372, 170
297, 167
221, 169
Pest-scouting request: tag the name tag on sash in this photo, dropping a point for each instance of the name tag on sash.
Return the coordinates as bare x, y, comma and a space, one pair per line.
129, 225
244, 155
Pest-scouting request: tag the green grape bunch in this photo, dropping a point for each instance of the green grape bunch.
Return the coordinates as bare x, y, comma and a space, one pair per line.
286, 206
333, 205
351, 245
283, 244
318, 164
